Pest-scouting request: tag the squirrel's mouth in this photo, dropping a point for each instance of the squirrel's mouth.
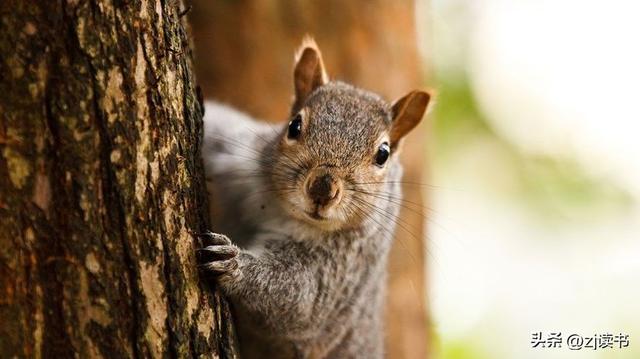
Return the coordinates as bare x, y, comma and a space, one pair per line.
315, 216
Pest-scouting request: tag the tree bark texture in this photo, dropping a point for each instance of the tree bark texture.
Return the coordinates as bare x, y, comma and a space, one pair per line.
244, 57
101, 184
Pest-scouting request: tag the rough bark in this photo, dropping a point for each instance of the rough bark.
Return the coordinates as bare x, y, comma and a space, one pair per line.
101, 184
245, 57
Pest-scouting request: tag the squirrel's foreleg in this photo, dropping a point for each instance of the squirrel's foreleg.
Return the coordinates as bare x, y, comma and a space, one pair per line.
273, 288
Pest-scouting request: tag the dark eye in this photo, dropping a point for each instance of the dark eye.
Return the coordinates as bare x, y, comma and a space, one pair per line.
383, 154
295, 127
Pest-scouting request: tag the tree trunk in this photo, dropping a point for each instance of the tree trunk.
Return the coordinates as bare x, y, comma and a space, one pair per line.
245, 57
101, 185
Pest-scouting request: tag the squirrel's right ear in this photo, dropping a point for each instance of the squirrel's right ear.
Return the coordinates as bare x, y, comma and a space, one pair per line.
407, 113
309, 72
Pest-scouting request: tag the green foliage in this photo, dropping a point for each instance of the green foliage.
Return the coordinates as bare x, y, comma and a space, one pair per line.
555, 189
463, 350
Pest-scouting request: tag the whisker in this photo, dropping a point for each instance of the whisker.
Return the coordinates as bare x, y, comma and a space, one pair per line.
369, 207
409, 183
399, 221
418, 210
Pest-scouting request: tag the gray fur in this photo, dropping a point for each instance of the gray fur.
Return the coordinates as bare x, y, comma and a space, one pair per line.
300, 290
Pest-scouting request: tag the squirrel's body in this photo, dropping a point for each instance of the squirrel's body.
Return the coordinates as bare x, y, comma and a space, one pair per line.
345, 271
313, 208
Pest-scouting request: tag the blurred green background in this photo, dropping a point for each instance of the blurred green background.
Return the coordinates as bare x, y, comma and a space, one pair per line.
535, 196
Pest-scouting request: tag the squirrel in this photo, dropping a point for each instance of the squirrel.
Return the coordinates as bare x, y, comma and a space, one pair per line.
311, 206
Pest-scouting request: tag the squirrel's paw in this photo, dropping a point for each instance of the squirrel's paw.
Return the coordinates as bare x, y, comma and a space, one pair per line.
219, 256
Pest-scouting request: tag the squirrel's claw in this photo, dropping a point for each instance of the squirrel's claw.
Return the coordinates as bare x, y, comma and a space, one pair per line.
219, 256
209, 237
220, 251
221, 267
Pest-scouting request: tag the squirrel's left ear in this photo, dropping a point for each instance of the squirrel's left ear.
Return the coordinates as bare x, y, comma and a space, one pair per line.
407, 113
309, 72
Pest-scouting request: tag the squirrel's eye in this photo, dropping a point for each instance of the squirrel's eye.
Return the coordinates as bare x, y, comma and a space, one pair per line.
383, 154
295, 127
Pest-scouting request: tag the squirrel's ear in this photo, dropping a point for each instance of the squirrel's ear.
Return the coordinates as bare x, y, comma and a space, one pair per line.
309, 72
407, 113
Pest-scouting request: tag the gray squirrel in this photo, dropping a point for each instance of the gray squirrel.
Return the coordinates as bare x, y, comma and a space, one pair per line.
311, 206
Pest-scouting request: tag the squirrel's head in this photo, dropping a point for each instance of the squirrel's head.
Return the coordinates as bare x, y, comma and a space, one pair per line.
337, 156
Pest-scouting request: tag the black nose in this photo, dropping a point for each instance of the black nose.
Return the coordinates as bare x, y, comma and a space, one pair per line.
323, 189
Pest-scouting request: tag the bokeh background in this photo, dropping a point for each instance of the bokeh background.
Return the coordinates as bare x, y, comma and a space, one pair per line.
535, 155
522, 209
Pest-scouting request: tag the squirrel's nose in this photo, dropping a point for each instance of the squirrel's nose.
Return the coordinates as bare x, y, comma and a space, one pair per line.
323, 189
